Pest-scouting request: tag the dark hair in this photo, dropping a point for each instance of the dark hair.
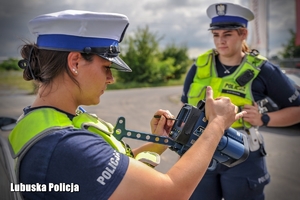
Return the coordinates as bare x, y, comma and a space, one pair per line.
47, 64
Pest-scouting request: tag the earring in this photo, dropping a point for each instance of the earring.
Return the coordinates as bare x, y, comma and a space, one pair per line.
75, 71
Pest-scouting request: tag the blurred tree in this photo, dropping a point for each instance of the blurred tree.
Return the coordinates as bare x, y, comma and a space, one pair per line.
148, 63
290, 49
181, 59
141, 55
10, 64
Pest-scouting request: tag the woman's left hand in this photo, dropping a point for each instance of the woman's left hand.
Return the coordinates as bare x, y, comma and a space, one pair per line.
252, 116
162, 126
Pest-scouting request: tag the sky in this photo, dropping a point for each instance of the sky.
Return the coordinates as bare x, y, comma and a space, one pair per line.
183, 22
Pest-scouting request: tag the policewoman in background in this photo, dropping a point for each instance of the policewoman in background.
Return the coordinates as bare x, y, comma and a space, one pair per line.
56, 142
235, 71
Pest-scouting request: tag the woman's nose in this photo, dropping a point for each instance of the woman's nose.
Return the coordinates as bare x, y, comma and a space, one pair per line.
109, 77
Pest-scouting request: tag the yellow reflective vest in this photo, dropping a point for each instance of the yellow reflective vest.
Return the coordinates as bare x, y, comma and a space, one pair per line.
206, 75
41, 122
48, 119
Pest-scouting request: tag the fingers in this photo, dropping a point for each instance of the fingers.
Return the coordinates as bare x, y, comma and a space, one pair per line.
250, 106
209, 93
252, 111
240, 115
160, 120
236, 109
165, 113
254, 104
161, 123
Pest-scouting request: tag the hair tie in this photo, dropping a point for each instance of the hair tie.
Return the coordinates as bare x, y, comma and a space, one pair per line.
24, 63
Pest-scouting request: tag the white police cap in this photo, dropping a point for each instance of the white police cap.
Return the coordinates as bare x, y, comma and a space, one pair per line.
228, 16
82, 31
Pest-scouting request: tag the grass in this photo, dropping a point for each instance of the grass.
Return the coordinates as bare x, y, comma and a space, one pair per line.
13, 80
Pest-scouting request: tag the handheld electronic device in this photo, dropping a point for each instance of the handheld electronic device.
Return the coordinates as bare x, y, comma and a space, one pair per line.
189, 125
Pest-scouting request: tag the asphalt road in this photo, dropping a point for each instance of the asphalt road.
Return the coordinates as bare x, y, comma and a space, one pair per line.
138, 106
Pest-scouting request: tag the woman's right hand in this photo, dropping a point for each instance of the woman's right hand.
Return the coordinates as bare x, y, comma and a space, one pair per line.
221, 109
162, 126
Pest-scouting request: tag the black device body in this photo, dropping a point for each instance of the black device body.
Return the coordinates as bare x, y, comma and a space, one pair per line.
191, 122
245, 77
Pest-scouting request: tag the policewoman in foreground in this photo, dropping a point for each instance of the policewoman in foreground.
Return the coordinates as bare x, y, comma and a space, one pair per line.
56, 143
233, 70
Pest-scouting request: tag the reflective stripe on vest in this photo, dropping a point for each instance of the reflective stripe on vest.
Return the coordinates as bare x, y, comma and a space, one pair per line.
206, 75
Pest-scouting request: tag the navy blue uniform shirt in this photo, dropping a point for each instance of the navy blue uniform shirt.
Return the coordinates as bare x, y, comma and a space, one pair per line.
73, 156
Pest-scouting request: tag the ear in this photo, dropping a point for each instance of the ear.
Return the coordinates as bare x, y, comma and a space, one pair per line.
73, 60
245, 34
